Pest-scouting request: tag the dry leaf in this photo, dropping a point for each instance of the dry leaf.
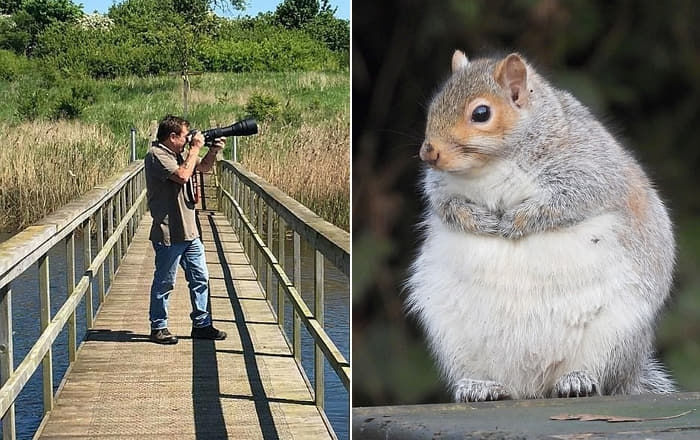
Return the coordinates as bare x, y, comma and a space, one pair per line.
613, 419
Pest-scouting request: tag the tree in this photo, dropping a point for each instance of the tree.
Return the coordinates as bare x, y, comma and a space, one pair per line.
293, 14
9, 6
33, 16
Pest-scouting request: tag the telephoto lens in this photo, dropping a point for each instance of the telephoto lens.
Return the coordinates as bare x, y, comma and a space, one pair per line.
246, 127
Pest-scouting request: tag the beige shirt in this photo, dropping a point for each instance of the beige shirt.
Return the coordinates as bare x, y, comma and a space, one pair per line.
173, 216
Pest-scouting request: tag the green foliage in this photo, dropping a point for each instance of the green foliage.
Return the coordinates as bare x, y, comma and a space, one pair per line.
32, 101
110, 53
9, 6
12, 65
34, 16
45, 12
263, 107
333, 32
293, 14
150, 37
76, 97
13, 37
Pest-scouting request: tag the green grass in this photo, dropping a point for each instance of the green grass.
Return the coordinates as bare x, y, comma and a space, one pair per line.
311, 130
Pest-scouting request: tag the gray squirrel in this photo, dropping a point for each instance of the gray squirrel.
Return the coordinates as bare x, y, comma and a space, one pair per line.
547, 255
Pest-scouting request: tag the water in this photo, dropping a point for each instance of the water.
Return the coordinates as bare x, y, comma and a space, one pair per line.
26, 329
336, 324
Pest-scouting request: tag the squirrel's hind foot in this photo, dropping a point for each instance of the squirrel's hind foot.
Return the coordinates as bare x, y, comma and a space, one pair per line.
576, 384
470, 390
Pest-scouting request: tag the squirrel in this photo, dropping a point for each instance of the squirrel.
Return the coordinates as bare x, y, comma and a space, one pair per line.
547, 253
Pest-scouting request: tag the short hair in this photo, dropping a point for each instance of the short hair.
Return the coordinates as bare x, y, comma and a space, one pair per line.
170, 124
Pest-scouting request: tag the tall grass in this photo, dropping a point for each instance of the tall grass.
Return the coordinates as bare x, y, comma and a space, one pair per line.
46, 164
310, 163
303, 149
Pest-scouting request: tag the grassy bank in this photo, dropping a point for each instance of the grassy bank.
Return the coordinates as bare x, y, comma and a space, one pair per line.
303, 145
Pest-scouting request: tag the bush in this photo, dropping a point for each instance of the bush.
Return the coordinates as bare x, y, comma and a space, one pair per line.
12, 65
33, 101
265, 48
75, 99
263, 107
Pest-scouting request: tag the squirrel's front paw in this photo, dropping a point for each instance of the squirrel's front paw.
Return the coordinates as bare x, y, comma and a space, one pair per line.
512, 224
462, 215
576, 384
470, 390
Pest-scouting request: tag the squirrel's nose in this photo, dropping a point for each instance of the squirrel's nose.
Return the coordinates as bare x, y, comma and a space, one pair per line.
429, 154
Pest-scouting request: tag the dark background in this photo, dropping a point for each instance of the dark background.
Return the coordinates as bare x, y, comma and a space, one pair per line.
636, 64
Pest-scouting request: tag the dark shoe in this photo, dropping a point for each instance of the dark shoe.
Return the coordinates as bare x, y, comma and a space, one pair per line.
163, 336
207, 333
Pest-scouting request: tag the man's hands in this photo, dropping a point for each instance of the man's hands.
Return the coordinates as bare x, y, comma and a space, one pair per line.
219, 144
196, 143
208, 161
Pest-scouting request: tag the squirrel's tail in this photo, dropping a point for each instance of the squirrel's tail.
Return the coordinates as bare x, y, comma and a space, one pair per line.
655, 379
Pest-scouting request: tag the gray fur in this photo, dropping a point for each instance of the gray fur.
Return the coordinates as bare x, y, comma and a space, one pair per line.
581, 171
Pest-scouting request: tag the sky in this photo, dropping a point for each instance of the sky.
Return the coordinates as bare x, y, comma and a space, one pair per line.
254, 7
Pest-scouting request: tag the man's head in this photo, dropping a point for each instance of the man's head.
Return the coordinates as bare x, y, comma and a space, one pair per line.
172, 132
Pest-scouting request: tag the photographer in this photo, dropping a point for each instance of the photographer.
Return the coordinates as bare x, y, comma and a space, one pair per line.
171, 200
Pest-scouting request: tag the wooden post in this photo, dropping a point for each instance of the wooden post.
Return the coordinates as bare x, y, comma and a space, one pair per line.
6, 357
268, 275
249, 236
259, 260
118, 210
110, 232
219, 191
129, 204
237, 198
251, 218
318, 313
44, 320
280, 257
87, 260
100, 245
296, 328
125, 231
70, 286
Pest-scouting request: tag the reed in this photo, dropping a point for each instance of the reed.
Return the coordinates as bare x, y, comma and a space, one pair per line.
310, 163
46, 164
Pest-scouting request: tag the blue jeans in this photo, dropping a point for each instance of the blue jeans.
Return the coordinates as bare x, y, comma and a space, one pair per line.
190, 255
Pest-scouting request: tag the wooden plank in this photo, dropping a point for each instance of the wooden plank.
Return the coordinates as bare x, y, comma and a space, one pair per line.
531, 419
247, 386
11, 389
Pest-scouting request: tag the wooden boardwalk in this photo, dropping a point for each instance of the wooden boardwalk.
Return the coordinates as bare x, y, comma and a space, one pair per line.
245, 387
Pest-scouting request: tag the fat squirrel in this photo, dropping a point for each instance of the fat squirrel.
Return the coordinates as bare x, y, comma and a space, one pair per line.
547, 253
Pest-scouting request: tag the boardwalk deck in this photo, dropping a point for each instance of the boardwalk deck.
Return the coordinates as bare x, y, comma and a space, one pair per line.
245, 387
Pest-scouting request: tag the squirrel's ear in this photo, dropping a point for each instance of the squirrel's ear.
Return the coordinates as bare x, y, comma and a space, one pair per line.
459, 61
511, 74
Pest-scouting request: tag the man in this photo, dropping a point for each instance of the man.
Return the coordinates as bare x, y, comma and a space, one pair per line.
174, 231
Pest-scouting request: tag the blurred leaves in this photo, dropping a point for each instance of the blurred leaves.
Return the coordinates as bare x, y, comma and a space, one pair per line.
636, 64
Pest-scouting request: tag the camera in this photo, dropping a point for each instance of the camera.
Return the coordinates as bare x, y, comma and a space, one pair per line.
245, 127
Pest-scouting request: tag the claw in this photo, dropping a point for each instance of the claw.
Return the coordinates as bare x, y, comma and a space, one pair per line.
576, 384
469, 390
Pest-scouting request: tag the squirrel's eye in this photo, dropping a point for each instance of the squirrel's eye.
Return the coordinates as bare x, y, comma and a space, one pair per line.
481, 114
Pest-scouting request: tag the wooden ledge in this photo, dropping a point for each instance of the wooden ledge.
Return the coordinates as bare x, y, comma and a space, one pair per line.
531, 419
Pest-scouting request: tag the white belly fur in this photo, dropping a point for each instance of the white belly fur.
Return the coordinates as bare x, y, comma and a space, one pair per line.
525, 312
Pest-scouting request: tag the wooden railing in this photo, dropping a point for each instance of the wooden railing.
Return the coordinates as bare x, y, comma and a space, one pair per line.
111, 212
253, 206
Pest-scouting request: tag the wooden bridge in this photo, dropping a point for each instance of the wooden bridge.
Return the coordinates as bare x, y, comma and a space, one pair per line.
118, 383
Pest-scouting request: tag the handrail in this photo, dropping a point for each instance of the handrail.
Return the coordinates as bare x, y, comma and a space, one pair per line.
123, 197
238, 188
